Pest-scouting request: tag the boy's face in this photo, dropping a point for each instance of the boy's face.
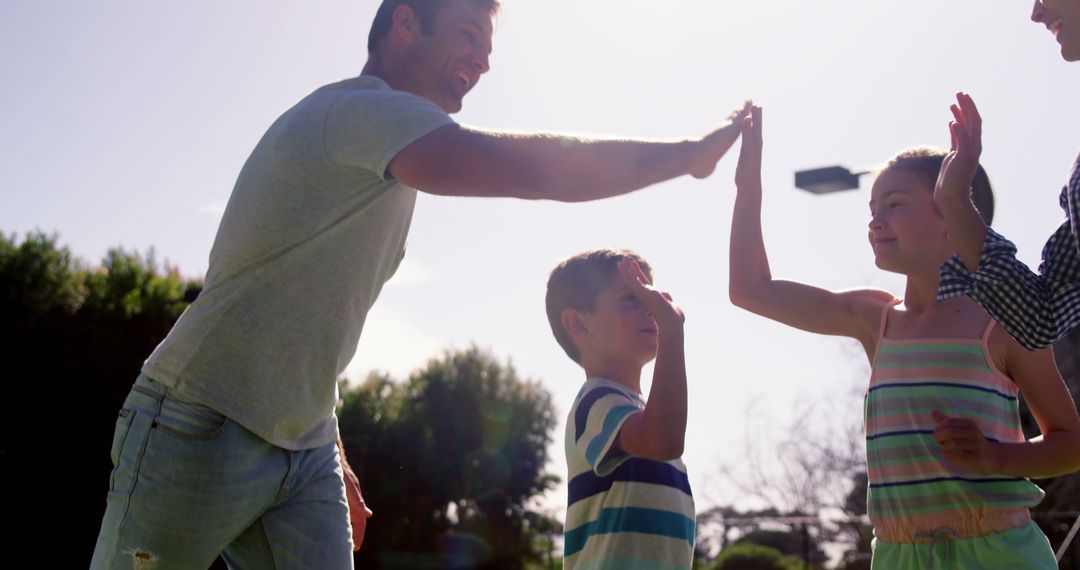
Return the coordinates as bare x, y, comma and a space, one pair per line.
1062, 18
906, 230
619, 328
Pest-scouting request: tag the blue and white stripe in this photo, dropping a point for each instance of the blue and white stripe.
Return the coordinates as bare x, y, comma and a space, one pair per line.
622, 511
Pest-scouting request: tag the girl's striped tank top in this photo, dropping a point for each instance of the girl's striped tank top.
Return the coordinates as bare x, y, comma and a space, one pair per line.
910, 486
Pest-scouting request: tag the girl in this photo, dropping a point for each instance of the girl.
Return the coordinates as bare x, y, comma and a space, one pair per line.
947, 458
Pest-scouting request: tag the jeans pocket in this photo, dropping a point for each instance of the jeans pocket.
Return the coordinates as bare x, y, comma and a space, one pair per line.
186, 419
128, 446
120, 435
123, 426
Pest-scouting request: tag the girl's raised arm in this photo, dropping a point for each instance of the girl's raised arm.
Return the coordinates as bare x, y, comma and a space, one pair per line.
854, 313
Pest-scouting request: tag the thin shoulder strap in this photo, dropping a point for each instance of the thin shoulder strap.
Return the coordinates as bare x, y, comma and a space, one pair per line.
990, 322
1010, 383
881, 328
885, 317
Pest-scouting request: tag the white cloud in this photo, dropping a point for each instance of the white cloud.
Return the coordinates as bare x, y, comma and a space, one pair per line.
214, 209
412, 271
391, 344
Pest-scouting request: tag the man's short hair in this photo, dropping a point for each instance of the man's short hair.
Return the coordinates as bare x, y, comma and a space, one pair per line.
425, 11
926, 162
576, 281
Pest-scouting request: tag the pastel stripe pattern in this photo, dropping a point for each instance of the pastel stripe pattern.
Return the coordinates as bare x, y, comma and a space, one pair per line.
622, 511
910, 486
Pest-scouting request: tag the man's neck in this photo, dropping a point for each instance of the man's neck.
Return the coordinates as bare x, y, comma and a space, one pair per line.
388, 72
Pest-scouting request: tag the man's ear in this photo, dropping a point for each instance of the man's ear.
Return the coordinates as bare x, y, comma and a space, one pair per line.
574, 323
405, 23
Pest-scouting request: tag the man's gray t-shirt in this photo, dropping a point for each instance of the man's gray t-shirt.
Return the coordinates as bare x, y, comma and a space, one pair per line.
312, 231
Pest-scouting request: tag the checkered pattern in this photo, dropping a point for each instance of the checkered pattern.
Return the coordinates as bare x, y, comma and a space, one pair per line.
1036, 309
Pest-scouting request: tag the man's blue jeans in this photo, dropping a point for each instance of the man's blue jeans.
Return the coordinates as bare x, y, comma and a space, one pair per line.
189, 484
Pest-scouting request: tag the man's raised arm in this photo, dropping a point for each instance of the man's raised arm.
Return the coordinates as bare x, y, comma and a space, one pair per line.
458, 161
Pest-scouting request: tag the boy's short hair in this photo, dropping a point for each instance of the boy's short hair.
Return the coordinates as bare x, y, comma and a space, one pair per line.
576, 281
926, 162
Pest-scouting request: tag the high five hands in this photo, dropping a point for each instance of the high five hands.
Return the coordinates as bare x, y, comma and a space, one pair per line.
713, 146
748, 171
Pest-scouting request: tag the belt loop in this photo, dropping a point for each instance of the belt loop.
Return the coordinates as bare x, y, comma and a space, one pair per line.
151, 388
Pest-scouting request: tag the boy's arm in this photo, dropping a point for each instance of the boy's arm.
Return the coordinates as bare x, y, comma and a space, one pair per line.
751, 285
659, 431
1035, 309
457, 161
1056, 452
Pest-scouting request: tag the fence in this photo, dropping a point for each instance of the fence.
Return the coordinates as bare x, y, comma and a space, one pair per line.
845, 540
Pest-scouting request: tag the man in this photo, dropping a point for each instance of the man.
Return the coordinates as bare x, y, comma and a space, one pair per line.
228, 442
1036, 309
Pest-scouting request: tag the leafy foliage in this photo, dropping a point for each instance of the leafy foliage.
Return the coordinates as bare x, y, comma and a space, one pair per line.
74, 340
750, 556
449, 461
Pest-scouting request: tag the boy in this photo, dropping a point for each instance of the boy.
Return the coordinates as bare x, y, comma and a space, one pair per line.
629, 502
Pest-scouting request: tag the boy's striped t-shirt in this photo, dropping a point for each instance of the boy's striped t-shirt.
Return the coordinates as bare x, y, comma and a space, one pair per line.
622, 511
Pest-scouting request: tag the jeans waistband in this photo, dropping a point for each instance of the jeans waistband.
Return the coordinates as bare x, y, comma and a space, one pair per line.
146, 395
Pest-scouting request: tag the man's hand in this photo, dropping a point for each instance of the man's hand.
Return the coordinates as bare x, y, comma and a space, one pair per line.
668, 317
748, 172
962, 444
958, 169
358, 511
715, 145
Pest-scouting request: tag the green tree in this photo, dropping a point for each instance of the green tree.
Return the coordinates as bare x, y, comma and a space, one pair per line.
74, 340
796, 542
449, 461
750, 556
793, 534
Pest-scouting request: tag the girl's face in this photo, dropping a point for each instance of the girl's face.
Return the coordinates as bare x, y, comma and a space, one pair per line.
907, 233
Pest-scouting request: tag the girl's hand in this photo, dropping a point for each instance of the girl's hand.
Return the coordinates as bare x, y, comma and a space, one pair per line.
962, 444
748, 171
959, 167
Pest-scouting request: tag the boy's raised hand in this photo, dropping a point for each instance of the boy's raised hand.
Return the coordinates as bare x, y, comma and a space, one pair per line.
668, 317
713, 146
748, 171
959, 167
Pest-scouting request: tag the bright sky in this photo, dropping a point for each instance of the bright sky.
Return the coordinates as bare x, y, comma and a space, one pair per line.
125, 123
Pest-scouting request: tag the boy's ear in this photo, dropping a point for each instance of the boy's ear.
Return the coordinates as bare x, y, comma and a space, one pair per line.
573, 323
